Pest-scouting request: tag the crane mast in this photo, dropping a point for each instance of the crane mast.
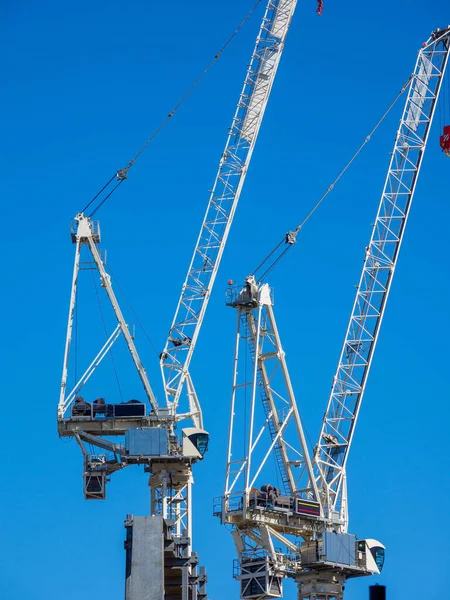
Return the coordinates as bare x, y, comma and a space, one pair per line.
380, 260
312, 505
230, 178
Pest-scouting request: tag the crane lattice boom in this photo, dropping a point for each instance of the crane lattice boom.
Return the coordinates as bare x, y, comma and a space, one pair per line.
376, 278
223, 200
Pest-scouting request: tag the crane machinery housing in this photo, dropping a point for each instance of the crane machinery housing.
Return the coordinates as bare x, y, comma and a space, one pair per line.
300, 530
160, 562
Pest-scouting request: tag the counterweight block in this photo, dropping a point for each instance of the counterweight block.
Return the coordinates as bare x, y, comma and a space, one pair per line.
259, 579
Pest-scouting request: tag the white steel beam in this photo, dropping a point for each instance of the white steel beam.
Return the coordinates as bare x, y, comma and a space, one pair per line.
278, 418
378, 270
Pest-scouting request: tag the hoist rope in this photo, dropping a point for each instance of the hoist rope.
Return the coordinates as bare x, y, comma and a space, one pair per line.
121, 174
98, 194
106, 197
295, 231
134, 313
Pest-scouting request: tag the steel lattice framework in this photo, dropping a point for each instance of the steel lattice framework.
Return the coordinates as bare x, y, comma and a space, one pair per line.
86, 232
149, 430
277, 429
379, 265
260, 519
222, 204
256, 435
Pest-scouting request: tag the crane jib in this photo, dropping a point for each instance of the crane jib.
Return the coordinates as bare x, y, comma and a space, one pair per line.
230, 178
379, 265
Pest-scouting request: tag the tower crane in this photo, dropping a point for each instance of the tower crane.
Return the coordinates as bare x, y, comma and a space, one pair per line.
147, 431
300, 529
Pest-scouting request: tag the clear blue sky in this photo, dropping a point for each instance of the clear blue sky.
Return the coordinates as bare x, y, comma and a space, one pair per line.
84, 83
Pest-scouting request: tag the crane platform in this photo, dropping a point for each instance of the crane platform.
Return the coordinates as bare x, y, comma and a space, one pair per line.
288, 517
105, 426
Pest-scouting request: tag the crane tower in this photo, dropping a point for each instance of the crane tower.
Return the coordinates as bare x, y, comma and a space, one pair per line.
299, 527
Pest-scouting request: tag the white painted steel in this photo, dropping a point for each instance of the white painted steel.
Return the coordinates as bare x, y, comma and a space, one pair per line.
68, 401
258, 335
86, 235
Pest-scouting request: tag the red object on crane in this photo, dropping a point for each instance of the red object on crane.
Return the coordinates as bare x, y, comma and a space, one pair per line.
444, 140
319, 10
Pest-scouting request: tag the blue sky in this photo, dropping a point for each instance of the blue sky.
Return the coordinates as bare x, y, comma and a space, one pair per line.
83, 86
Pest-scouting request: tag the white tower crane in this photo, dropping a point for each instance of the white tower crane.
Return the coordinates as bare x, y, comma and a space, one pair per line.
300, 530
148, 430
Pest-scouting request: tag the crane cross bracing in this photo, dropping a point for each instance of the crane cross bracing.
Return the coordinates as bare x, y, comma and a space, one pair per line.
376, 278
230, 178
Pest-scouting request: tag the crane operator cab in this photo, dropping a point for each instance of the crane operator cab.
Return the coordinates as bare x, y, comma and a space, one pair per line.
195, 442
370, 554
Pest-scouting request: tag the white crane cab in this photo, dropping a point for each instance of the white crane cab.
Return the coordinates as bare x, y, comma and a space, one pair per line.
194, 442
370, 555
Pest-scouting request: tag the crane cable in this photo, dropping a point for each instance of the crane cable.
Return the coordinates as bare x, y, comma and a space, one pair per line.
122, 174
116, 281
106, 333
290, 238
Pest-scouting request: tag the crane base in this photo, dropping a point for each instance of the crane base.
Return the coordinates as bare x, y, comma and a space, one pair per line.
158, 564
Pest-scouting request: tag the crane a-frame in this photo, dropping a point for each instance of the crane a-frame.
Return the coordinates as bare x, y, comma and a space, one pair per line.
300, 529
147, 432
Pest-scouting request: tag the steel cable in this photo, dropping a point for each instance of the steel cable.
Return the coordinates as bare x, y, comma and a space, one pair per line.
295, 231
134, 313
